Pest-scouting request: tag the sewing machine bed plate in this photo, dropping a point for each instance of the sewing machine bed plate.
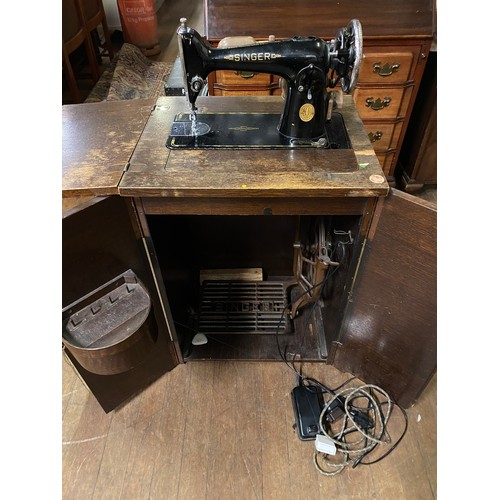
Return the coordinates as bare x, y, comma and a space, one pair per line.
234, 130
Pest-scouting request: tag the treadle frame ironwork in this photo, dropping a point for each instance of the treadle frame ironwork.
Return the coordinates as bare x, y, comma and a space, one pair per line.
243, 307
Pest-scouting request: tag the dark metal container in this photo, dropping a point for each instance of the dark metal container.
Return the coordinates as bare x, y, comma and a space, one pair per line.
112, 329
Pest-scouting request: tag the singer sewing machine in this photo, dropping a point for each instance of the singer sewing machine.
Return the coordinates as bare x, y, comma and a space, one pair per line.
308, 66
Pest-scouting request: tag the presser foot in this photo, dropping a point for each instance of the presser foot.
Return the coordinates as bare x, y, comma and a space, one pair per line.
193, 128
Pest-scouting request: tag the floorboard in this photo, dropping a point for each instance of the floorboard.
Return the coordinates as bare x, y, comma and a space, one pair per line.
223, 429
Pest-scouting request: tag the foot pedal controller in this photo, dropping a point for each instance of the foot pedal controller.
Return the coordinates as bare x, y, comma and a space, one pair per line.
307, 405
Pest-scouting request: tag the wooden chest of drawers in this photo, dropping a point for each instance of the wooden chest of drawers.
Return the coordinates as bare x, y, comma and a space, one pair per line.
388, 82
396, 36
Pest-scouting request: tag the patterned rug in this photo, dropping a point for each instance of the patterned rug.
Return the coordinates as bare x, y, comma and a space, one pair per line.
131, 75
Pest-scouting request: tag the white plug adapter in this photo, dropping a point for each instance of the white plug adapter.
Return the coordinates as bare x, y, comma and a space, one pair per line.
325, 445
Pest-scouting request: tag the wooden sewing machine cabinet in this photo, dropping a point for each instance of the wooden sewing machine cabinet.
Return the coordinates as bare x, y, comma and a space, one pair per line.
132, 204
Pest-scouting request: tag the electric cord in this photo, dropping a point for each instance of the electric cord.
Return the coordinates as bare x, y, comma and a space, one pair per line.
353, 451
309, 382
347, 449
391, 449
287, 306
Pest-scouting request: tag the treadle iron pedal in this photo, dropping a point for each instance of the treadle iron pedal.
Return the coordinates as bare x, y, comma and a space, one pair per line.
243, 307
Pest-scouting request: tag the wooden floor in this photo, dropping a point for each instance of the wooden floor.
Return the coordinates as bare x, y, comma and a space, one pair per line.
223, 430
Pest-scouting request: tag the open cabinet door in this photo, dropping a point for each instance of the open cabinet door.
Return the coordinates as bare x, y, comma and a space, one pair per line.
109, 286
389, 335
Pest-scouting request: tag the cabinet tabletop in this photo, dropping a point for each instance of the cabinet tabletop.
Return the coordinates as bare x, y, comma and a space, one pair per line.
98, 140
156, 171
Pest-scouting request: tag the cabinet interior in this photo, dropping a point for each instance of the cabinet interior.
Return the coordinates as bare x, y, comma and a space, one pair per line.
190, 245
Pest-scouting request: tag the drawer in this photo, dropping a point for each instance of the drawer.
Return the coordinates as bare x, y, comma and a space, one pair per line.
242, 78
383, 136
385, 160
380, 103
386, 67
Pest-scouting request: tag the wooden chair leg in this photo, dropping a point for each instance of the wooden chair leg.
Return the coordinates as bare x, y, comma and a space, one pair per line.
107, 39
70, 78
96, 43
94, 67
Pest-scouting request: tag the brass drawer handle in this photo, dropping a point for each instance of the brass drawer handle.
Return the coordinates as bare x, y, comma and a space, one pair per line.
377, 104
386, 69
245, 74
375, 137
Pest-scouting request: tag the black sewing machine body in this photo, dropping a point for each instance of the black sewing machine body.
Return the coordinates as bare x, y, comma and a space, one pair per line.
307, 64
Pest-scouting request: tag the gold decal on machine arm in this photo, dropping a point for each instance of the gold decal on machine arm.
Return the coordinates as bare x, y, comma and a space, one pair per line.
306, 112
243, 128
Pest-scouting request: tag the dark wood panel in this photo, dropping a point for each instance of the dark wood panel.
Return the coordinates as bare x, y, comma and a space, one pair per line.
323, 18
98, 140
114, 390
99, 243
389, 335
418, 158
255, 206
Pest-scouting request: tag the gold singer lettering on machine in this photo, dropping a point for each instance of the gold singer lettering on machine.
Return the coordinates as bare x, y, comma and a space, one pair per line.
252, 56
